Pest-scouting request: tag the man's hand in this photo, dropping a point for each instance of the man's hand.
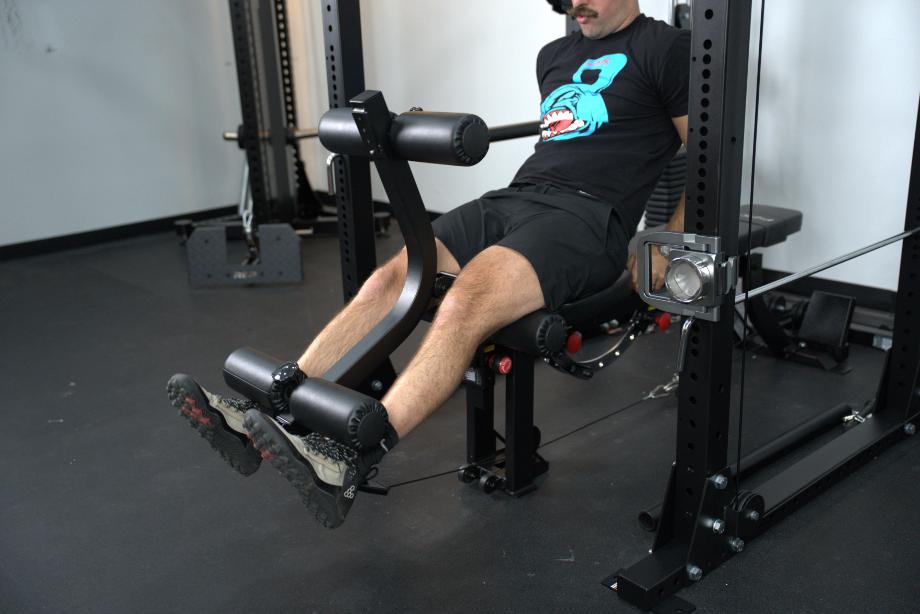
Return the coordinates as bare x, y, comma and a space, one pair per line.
659, 264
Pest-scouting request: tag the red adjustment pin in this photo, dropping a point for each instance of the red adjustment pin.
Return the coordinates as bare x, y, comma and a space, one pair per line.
663, 320
502, 365
573, 342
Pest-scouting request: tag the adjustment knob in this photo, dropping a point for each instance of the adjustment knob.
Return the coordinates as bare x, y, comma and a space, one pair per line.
573, 342
663, 320
501, 365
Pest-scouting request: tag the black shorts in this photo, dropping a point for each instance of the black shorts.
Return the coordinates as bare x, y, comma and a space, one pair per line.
575, 242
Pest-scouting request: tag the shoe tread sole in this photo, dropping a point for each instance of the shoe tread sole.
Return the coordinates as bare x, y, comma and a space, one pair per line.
192, 405
281, 453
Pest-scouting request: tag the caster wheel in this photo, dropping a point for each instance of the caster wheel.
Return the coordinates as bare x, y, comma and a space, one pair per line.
488, 483
467, 475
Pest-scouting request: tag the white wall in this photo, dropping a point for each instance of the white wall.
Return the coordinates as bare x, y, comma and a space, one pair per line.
838, 107
111, 113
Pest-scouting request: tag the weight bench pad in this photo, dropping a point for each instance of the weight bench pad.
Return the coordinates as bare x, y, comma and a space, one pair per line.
769, 225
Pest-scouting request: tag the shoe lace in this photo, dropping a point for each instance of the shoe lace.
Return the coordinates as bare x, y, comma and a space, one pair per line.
238, 404
241, 405
330, 448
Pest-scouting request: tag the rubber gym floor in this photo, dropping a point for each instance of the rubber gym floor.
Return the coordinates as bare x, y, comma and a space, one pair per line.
109, 502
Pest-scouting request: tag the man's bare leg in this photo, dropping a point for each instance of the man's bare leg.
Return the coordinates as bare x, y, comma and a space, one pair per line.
496, 288
374, 300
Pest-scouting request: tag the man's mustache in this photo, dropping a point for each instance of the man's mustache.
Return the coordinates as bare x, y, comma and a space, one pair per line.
581, 11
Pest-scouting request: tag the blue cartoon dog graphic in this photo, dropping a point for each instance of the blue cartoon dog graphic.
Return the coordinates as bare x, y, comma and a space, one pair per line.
575, 109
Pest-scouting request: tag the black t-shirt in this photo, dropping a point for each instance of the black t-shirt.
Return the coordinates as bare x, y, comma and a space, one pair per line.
606, 111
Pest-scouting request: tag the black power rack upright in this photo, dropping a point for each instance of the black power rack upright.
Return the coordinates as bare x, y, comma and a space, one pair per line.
277, 202
707, 513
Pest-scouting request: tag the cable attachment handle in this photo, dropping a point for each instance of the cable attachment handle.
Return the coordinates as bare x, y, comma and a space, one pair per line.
684, 342
330, 172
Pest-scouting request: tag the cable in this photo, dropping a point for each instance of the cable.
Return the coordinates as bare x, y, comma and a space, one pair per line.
427, 477
593, 422
747, 274
744, 321
541, 446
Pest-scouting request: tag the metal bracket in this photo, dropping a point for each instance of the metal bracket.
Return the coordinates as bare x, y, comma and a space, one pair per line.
678, 244
662, 390
855, 417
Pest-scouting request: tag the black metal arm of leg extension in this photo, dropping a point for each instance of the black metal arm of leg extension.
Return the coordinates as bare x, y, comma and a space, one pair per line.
373, 120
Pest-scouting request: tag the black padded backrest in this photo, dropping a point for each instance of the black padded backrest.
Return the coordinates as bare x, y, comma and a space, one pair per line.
663, 201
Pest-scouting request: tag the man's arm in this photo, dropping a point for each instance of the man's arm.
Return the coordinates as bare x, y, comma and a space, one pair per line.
675, 224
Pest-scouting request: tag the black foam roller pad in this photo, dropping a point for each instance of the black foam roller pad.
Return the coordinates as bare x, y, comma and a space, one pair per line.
458, 139
540, 333
338, 412
249, 372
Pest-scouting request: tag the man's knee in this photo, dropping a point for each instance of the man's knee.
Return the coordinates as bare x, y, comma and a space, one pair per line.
494, 289
464, 299
500, 277
386, 281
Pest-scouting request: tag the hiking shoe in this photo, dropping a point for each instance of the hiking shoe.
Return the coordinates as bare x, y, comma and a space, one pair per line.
218, 419
325, 472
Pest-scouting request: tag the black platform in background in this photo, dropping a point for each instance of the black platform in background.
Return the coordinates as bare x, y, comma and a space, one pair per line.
109, 502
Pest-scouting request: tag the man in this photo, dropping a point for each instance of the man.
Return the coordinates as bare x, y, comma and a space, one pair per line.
614, 113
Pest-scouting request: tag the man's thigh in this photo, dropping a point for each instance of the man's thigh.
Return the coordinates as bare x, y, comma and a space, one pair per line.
570, 259
503, 285
460, 231
467, 230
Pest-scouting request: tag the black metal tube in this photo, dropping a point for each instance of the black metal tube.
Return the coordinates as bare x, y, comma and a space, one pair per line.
294, 135
415, 226
770, 451
791, 439
740, 298
835, 459
513, 131
648, 519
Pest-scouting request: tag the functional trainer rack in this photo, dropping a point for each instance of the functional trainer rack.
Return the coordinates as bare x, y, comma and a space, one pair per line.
706, 516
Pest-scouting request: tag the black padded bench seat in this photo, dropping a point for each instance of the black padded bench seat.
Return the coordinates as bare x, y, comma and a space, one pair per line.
543, 333
769, 225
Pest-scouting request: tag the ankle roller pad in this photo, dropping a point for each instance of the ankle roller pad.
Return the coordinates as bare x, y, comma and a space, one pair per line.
338, 412
263, 379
